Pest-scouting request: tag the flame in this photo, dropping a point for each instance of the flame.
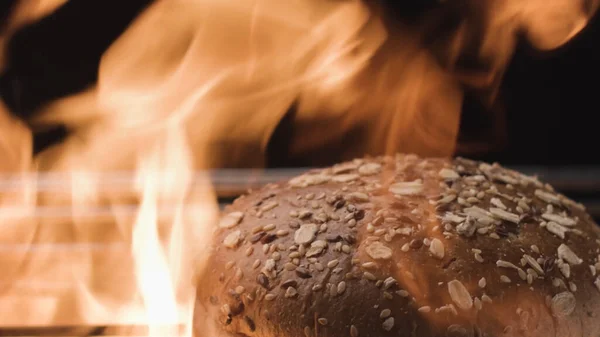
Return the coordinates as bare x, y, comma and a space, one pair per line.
199, 84
25, 12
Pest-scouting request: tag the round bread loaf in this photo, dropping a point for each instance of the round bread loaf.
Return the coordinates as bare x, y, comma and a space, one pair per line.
404, 246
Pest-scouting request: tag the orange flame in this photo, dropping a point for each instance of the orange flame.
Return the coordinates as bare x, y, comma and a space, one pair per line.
200, 84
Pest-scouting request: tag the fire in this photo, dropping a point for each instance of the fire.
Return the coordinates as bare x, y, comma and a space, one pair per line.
115, 221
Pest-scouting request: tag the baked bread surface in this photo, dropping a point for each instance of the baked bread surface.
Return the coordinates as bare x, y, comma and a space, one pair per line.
404, 246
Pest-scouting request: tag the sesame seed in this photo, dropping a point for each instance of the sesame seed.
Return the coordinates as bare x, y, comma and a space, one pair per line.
385, 313
424, 309
504, 279
388, 324
482, 282
405, 247
494, 236
535, 249
478, 258
477, 303
319, 266
380, 232
403, 293
229, 265
269, 206
389, 282
282, 232
291, 292
322, 321
256, 264
486, 298
369, 276
369, 265
572, 286
270, 297
556, 282
239, 290
238, 275
341, 287
332, 264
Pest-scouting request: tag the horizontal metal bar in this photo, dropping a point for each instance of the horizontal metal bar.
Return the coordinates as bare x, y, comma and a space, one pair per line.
90, 330
581, 176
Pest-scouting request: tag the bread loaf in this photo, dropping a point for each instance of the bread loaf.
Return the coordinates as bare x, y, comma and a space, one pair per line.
408, 247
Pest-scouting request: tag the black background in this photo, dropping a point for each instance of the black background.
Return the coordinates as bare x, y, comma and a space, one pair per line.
549, 101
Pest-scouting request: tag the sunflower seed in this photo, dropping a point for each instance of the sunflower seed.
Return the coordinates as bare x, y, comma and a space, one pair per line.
556, 229
407, 188
448, 174
231, 220
561, 220
460, 295
437, 248
565, 253
547, 197
424, 309
379, 251
504, 215
233, 239
305, 234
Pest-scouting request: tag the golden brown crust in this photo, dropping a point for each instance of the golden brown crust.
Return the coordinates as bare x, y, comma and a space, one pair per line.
405, 246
